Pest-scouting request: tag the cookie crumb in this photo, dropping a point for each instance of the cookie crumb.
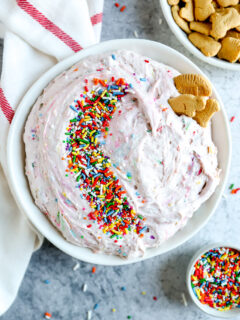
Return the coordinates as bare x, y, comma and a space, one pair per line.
184, 299
136, 34
77, 265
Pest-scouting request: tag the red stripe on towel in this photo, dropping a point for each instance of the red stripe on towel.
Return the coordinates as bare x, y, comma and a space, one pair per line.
49, 25
97, 18
5, 107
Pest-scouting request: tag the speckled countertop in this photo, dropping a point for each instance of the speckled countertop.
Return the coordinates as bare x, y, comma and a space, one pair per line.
162, 277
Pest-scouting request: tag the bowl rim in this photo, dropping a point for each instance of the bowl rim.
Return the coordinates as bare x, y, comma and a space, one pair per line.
205, 308
46, 78
182, 37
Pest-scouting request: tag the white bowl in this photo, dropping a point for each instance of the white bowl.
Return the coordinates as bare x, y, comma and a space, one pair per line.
16, 152
211, 311
182, 37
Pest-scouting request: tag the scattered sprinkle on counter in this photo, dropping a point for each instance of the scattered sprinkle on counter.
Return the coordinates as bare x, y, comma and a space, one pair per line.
234, 191
135, 33
231, 186
216, 279
117, 5
89, 315
47, 315
96, 306
155, 298
184, 300
93, 269
77, 265
123, 288
47, 281
232, 119
84, 289
113, 310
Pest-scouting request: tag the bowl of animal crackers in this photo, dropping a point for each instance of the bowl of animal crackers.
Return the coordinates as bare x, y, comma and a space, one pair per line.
209, 29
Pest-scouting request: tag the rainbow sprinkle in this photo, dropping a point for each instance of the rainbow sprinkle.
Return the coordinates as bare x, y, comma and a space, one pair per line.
216, 279
92, 169
234, 191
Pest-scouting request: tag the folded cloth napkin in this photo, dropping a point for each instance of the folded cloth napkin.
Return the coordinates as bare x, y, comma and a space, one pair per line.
38, 33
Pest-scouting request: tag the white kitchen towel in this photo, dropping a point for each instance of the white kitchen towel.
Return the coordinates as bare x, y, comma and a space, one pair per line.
38, 33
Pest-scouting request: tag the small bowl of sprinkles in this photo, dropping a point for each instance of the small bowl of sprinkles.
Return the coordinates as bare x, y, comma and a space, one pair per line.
213, 280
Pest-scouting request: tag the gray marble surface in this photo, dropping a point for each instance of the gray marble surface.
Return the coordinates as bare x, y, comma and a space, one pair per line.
163, 276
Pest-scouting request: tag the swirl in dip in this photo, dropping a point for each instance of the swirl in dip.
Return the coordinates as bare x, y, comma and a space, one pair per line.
109, 162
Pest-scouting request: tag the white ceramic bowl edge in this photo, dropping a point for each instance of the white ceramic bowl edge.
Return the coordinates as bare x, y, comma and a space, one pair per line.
16, 152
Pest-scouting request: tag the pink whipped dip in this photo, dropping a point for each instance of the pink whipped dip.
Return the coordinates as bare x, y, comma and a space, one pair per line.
166, 163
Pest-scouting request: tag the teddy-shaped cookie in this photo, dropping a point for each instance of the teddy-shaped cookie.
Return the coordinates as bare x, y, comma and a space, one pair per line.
227, 3
201, 27
173, 2
204, 116
193, 101
187, 11
230, 50
187, 104
223, 20
233, 34
194, 84
207, 45
203, 9
180, 21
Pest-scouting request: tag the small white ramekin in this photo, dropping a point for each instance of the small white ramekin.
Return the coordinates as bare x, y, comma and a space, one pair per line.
211, 311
